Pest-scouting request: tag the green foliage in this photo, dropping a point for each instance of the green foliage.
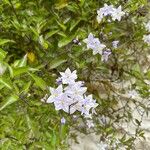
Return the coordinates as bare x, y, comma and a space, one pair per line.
37, 43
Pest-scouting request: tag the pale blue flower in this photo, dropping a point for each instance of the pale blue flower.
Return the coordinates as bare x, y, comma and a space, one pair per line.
63, 120
115, 44
68, 77
94, 44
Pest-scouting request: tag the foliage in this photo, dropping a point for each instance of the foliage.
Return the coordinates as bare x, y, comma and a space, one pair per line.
37, 43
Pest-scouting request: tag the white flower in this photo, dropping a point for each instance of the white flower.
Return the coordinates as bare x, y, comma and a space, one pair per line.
90, 123
105, 55
87, 104
117, 14
106, 10
55, 93
63, 120
62, 102
147, 26
115, 44
71, 97
68, 77
146, 39
90, 41
76, 106
75, 91
94, 44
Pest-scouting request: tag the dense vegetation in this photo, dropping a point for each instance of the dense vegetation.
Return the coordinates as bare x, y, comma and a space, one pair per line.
39, 39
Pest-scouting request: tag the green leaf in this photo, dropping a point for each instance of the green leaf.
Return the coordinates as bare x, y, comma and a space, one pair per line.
6, 82
4, 41
58, 61
26, 87
2, 54
11, 71
39, 81
61, 25
20, 70
74, 24
23, 61
65, 41
8, 101
51, 33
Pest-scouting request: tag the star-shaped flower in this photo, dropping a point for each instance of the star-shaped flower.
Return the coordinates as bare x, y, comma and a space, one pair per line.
68, 77
117, 14
55, 93
94, 44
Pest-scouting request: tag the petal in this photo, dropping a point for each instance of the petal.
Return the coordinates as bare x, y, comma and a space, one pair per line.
68, 71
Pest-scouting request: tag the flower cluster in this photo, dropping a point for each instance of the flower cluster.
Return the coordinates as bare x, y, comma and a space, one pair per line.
146, 38
94, 44
97, 47
115, 13
70, 96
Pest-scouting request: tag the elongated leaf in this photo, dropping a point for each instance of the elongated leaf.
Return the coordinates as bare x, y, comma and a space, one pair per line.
20, 70
23, 61
2, 54
57, 62
65, 41
8, 101
39, 81
6, 83
74, 24
26, 87
51, 33
11, 71
4, 41
61, 25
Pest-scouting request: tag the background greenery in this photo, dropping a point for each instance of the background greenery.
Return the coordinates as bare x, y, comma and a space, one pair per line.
36, 43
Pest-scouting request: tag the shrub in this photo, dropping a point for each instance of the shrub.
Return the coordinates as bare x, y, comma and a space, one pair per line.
40, 39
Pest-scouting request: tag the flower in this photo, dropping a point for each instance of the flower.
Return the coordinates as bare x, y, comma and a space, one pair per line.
63, 120
115, 44
106, 10
68, 77
94, 44
87, 104
63, 102
105, 55
117, 14
70, 95
146, 39
55, 93
147, 26
75, 91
